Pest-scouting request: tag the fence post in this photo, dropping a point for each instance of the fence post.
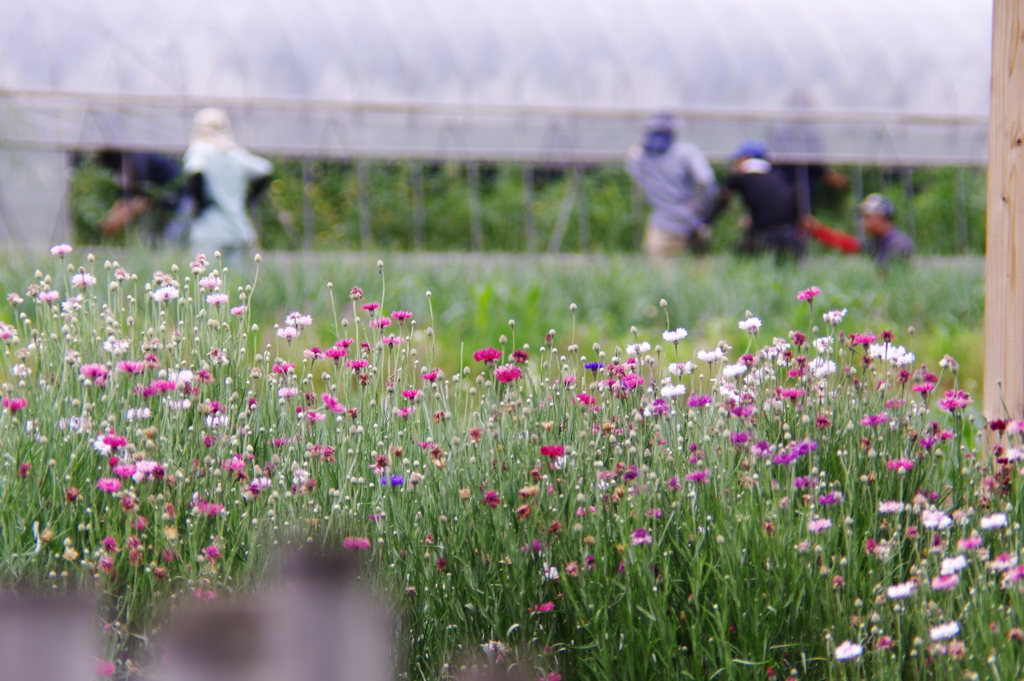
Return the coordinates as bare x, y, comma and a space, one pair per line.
1004, 252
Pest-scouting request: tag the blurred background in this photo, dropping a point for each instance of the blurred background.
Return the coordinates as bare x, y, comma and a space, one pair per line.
500, 126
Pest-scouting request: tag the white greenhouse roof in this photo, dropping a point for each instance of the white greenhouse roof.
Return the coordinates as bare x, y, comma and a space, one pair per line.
871, 81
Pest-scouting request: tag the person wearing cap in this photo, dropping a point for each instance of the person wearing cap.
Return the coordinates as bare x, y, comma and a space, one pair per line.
886, 244
770, 200
222, 179
679, 185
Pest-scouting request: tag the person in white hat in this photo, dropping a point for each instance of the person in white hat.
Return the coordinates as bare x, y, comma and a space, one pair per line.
222, 177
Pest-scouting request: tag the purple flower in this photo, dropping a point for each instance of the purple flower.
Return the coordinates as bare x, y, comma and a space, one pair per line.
831, 498
698, 401
394, 481
641, 536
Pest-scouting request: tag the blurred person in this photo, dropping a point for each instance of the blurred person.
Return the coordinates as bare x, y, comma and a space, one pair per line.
772, 223
222, 179
886, 244
152, 192
679, 184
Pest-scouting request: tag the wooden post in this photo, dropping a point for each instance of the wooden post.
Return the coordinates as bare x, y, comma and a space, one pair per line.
1004, 248
419, 211
363, 185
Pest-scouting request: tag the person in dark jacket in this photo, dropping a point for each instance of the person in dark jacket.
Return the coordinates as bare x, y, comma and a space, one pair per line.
886, 244
770, 200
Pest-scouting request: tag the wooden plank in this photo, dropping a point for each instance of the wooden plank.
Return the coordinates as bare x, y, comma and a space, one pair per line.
1004, 251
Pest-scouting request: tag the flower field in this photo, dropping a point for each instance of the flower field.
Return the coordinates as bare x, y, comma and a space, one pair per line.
806, 498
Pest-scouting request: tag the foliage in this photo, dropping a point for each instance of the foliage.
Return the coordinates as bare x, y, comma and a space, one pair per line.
716, 512
613, 214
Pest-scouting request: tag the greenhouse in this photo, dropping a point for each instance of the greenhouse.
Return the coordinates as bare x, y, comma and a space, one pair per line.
560, 82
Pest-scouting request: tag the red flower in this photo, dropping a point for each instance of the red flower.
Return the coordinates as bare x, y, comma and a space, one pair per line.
492, 499
554, 451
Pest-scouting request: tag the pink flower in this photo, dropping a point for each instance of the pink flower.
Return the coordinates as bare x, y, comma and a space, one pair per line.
101, 667
401, 315
108, 484
552, 451
699, 475
14, 403
60, 250
945, 582
217, 299
212, 553
131, 367
543, 607
808, 294
955, 399
371, 306
487, 355
872, 420
356, 543
819, 525
507, 373
492, 499
584, 398
899, 464
238, 311
357, 364
640, 536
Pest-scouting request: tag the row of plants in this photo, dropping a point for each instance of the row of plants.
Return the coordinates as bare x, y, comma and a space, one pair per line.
814, 505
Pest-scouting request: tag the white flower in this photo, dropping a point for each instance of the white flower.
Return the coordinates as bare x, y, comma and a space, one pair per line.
1014, 454
834, 317
100, 446
116, 346
140, 413
83, 279
180, 378
710, 356
211, 282
297, 319
896, 355
733, 370
673, 391
217, 421
637, 348
674, 336
751, 325
847, 650
994, 521
72, 304
287, 332
495, 649
821, 368
935, 519
300, 476
681, 368
550, 572
943, 631
904, 590
953, 564
165, 293
179, 405
823, 345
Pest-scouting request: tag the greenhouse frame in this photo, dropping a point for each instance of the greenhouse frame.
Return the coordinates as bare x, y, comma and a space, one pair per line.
562, 82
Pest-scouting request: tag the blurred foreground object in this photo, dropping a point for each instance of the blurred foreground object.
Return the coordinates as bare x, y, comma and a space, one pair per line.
47, 638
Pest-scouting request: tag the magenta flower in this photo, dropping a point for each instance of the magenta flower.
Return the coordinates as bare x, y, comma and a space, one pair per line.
955, 399
14, 403
492, 499
699, 475
102, 667
507, 373
356, 543
108, 484
212, 552
945, 582
641, 536
698, 401
808, 294
872, 420
487, 355
899, 464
